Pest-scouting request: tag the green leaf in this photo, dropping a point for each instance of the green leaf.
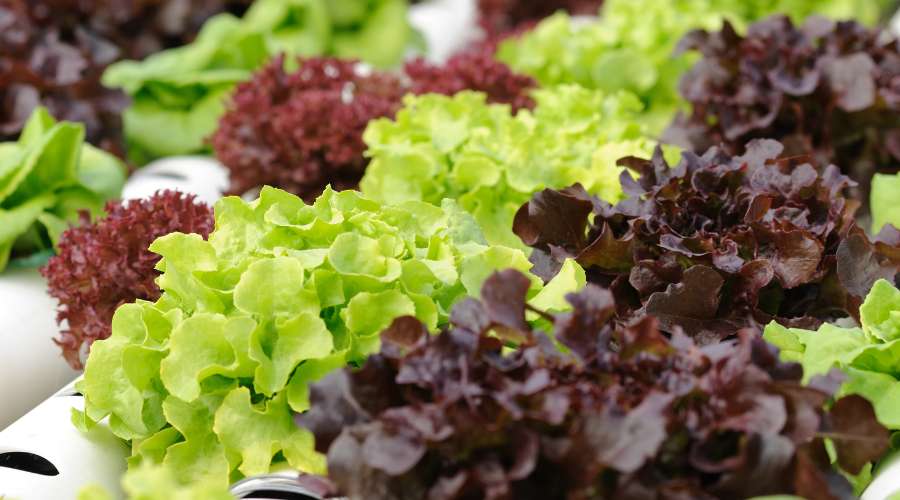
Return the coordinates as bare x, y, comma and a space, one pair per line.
279, 350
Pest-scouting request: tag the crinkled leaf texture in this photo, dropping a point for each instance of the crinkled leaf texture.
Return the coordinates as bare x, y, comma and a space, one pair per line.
823, 88
630, 45
154, 482
103, 264
869, 354
491, 161
204, 380
628, 412
180, 94
717, 242
47, 178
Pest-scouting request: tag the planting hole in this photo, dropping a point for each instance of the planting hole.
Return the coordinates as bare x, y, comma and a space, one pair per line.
28, 462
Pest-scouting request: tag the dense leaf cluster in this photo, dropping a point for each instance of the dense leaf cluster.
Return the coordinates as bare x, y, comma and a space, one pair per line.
105, 264
717, 242
53, 53
302, 130
829, 89
629, 414
500, 16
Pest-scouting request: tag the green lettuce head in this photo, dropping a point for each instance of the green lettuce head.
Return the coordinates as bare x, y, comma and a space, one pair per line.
885, 201
492, 161
631, 45
46, 178
179, 94
204, 381
869, 355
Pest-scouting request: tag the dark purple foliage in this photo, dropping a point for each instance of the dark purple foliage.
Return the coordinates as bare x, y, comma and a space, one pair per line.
53, 53
716, 243
630, 413
501, 16
826, 89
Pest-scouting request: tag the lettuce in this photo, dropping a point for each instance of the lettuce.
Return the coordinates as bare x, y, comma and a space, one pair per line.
630, 47
884, 201
204, 380
869, 354
179, 94
46, 179
492, 161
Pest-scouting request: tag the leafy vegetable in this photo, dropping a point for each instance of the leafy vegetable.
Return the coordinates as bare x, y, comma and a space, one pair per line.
203, 380
46, 179
630, 47
54, 51
180, 94
717, 242
826, 89
154, 482
500, 16
104, 264
867, 354
302, 131
884, 201
628, 414
461, 147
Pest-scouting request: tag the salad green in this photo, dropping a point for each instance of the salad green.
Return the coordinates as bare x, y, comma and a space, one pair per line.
631, 45
47, 178
204, 380
883, 201
868, 354
179, 94
492, 161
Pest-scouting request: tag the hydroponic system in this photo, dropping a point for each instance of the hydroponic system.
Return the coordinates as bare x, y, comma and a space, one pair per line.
449, 249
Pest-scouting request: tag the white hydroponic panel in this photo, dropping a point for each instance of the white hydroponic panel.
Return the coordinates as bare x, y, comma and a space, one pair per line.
43, 456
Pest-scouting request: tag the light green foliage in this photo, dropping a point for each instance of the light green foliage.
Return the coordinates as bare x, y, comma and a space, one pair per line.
46, 179
179, 94
205, 381
631, 45
492, 161
884, 201
157, 483
870, 355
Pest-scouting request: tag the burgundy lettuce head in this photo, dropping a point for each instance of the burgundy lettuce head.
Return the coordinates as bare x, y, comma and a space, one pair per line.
628, 413
717, 242
826, 89
301, 131
104, 264
501, 16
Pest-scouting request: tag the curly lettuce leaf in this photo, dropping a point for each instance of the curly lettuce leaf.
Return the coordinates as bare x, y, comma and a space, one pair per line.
47, 178
491, 161
179, 94
884, 201
203, 382
869, 355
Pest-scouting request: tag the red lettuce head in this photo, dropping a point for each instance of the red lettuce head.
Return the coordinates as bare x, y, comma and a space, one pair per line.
301, 131
826, 89
630, 413
717, 242
104, 264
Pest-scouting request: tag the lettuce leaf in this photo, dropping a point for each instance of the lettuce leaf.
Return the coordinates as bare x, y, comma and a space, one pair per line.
869, 355
492, 161
884, 201
630, 46
204, 381
46, 178
179, 94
